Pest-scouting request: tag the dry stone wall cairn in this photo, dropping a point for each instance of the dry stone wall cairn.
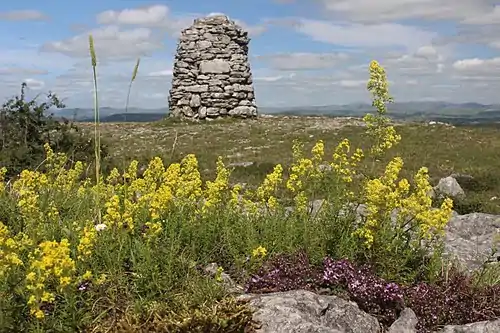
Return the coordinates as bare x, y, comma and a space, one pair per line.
211, 75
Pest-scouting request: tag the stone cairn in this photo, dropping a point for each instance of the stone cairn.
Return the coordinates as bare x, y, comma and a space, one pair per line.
211, 76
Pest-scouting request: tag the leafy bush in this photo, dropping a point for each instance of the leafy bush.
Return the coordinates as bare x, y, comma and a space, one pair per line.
25, 127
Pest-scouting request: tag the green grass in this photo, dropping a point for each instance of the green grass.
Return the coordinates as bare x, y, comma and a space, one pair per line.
471, 150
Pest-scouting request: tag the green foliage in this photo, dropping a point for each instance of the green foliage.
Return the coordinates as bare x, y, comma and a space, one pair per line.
124, 252
226, 315
25, 127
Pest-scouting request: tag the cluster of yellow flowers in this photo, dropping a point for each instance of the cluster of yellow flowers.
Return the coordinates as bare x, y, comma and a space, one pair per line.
343, 164
385, 194
266, 193
139, 205
51, 263
10, 249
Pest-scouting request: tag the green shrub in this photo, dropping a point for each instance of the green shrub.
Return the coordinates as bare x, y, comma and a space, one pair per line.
25, 127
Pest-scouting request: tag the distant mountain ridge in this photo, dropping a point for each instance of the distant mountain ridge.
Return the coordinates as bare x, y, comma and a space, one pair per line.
443, 111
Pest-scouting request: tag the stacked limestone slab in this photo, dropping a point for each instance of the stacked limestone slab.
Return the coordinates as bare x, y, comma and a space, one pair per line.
211, 75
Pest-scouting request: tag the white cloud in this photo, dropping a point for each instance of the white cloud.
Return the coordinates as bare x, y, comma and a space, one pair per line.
34, 84
426, 60
152, 15
268, 78
165, 72
394, 10
253, 30
352, 83
489, 17
110, 42
159, 16
371, 36
303, 61
22, 71
23, 15
478, 67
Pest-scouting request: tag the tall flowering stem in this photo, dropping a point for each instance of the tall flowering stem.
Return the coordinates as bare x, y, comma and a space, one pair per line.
378, 126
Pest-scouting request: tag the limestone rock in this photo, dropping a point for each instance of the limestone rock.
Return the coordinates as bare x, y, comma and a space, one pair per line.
211, 74
216, 66
449, 186
479, 327
301, 311
470, 237
406, 323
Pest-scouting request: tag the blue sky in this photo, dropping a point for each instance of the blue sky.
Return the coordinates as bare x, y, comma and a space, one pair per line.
303, 52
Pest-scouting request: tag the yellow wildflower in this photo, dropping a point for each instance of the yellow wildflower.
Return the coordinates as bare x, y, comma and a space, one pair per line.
3, 171
259, 252
50, 262
378, 127
215, 190
267, 190
87, 241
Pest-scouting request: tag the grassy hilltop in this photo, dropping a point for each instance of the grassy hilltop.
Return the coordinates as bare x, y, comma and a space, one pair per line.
111, 227
470, 150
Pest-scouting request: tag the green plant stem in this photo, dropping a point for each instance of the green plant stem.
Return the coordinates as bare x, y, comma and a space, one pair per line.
128, 98
97, 139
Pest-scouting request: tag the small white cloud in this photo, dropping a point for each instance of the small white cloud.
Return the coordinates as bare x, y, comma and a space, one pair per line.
216, 14
371, 36
110, 42
34, 84
392, 10
303, 61
427, 51
352, 83
22, 71
151, 15
166, 72
476, 64
23, 15
268, 78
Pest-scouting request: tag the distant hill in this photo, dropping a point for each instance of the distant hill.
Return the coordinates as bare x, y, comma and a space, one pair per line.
129, 117
439, 111
133, 114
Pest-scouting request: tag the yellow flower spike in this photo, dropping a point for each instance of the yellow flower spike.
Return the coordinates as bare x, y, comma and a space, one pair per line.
235, 196
87, 241
189, 180
318, 151
214, 190
3, 171
266, 191
384, 135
